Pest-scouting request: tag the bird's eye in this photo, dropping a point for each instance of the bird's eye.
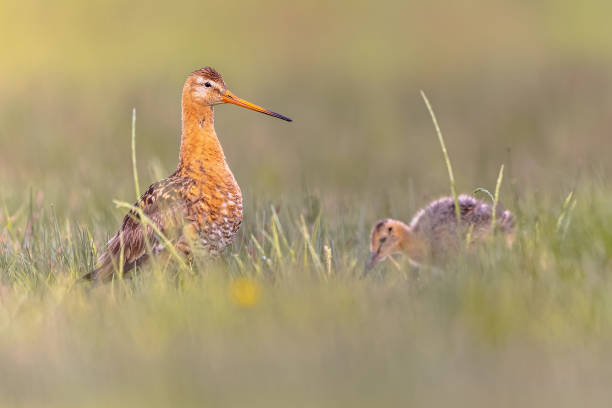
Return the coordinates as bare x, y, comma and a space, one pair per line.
383, 239
207, 84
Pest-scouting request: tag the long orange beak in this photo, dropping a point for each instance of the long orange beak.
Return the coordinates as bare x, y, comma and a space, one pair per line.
229, 97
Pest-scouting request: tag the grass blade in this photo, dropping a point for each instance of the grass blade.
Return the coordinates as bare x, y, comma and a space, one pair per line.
500, 177
134, 168
451, 177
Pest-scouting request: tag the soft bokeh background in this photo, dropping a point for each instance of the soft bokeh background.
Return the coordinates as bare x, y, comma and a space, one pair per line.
528, 84
523, 83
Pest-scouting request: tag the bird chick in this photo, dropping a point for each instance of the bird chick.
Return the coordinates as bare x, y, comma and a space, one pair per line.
433, 233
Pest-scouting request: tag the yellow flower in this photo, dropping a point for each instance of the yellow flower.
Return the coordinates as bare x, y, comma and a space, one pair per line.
244, 292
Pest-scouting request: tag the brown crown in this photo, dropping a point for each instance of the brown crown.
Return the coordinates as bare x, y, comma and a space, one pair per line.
209, 73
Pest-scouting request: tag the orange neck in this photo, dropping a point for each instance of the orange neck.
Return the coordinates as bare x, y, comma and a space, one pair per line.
412, 245
201, 152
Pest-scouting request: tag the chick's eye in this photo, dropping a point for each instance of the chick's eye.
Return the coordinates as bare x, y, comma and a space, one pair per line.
207, 84
383, 239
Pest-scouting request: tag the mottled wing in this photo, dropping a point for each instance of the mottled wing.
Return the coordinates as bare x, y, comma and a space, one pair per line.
163, 205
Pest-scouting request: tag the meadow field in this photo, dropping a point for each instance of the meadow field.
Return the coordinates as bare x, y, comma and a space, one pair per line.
283, 319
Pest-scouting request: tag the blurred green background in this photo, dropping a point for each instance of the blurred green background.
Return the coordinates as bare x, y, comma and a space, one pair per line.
528, 84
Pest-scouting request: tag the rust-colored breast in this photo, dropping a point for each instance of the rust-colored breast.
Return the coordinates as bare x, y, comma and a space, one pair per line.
214, 208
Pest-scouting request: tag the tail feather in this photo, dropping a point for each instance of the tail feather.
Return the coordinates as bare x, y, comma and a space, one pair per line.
91, 275
108, 269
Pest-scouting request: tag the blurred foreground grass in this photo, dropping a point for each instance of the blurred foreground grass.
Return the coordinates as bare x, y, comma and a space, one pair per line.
279, 322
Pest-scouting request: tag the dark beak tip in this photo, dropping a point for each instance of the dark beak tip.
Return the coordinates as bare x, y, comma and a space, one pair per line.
283, 117
366, 270
369, 264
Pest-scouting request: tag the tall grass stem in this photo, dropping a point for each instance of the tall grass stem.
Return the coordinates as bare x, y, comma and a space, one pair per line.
449, 167
500, 177
134, 168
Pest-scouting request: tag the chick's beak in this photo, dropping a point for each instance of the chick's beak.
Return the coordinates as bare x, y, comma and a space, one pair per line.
229, 97
370, 262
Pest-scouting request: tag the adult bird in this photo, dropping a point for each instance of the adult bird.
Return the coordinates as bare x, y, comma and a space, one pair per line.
200, 204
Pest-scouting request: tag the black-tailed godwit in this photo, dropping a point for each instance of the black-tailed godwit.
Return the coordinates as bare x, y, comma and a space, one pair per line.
200, 203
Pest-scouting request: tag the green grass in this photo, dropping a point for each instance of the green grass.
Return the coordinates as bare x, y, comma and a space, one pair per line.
284, 320
315, 336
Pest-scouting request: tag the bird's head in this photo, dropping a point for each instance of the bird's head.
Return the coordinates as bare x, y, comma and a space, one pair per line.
387, 237
206, 87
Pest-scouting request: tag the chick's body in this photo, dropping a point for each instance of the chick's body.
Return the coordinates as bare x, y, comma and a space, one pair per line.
436, 224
